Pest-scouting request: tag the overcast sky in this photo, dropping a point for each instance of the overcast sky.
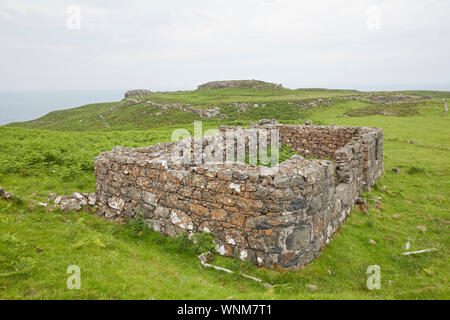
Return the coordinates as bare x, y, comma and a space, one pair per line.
170, 45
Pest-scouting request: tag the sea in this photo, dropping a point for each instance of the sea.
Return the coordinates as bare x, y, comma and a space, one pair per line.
18, 106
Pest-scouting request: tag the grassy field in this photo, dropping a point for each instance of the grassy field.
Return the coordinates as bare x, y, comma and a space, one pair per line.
128, 262
123, 116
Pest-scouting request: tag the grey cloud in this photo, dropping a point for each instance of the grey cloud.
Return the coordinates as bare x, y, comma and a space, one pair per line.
176, 44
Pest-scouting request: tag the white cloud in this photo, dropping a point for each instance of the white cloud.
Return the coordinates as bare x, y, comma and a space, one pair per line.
176, 44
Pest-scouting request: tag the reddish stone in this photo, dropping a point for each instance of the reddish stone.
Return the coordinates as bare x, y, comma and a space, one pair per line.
238, 219
218, 214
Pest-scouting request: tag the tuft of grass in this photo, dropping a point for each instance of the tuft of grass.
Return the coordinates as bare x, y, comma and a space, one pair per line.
284, 153
203, 242
138, 226
14, 260
186, 243
416, 170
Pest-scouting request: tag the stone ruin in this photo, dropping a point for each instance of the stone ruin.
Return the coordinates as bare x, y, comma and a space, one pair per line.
273, 216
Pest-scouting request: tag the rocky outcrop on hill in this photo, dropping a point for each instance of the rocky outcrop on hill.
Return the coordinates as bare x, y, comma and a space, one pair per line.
137, 92
132, 101
263, 122
204, 113
320, 102
394, 99
242, 84
162, 106
386, 99
207, 113
245, 106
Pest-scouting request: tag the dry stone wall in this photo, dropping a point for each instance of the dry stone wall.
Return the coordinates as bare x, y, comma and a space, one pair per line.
272, 216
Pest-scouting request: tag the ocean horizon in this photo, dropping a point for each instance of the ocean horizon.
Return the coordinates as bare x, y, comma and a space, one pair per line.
18, 106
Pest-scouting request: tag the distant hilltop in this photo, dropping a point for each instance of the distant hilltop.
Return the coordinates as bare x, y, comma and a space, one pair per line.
241, 84
224, 84
137, 92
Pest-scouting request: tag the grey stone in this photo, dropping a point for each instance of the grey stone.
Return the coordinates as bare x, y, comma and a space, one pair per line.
297, 204
162, 212
132, 101
267, 121
80, 198
58, 200
109, 214
299, 239
92, 199
52, 196
261, 192
150, 198
116, 203
5, 195
70, 204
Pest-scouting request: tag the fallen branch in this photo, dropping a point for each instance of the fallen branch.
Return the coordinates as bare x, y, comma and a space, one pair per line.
251, 277
216, 267
416, 252
203, 259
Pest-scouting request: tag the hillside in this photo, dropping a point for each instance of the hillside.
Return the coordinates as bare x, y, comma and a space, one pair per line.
225, 105
54, 154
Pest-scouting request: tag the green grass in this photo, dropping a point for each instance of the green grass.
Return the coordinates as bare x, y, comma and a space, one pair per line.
122, 116
284, 153
113, 116
423, 93
396, 109
127, 262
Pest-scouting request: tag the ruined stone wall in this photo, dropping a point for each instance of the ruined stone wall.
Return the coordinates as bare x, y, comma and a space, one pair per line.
272, 216
317, 141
